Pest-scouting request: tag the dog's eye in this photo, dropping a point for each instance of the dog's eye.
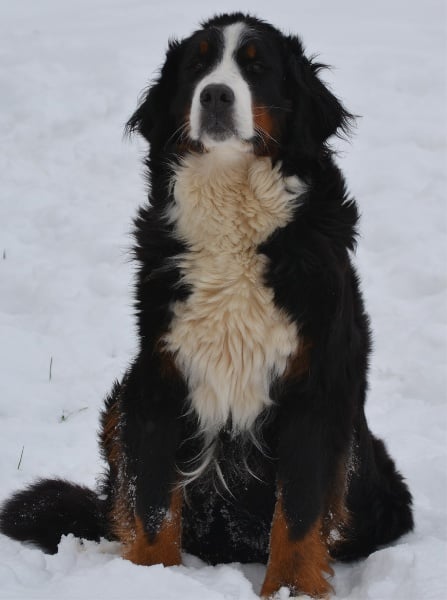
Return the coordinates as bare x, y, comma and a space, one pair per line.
196, 66
256, 68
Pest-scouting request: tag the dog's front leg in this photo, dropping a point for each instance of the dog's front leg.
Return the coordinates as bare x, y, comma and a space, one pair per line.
162, 546
147, 507
298, 556
298, 563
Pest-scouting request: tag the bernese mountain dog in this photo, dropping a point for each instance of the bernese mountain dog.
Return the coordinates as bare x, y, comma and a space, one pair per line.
238, 433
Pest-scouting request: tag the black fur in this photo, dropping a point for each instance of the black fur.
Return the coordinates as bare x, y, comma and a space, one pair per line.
317, 425
50, 508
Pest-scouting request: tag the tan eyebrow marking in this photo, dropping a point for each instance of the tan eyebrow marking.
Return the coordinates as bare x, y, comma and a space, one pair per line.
203, 47
251, 51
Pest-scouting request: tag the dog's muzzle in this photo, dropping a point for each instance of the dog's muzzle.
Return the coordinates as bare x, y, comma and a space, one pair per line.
217, 111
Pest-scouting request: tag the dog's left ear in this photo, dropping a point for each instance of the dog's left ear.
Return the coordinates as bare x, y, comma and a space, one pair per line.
152, 114
317, 113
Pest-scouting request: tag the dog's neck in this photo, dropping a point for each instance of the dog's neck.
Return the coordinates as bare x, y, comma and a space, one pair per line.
230, 196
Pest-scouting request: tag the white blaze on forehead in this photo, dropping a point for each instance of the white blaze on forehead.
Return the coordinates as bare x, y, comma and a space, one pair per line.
227, 72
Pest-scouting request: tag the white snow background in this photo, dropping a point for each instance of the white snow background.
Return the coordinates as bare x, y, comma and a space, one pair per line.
70, 75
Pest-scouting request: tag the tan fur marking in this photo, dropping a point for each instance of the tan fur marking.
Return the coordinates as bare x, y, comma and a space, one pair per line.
168, 368
251, 51
166, 548
203, 47
298, 365
110, 436
263, 119
228, 338
120, 515
121, 519
337, 516
265, 126
299, 565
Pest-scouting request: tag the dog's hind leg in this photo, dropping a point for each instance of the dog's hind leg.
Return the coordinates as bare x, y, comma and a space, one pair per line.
141, 435
378, 500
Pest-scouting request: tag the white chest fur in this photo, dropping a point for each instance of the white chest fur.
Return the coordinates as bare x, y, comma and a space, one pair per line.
228, 338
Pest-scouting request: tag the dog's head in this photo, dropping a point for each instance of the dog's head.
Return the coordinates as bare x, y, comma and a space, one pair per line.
239, 82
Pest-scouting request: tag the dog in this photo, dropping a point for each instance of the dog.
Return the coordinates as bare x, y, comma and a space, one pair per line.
238, 433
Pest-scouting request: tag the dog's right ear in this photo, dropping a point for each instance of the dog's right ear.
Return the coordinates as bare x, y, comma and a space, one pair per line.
153, 109
316, 113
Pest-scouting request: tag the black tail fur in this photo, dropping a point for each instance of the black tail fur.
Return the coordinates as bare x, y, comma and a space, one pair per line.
50, 508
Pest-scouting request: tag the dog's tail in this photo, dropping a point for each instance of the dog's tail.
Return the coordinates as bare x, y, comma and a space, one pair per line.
50, 508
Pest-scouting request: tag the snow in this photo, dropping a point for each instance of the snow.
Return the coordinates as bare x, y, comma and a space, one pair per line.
71, 73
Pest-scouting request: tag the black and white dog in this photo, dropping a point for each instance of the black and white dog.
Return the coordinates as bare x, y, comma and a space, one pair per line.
239, 432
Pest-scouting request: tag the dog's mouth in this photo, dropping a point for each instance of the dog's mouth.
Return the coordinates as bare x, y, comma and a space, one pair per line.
216, 132
216, 129
225, 139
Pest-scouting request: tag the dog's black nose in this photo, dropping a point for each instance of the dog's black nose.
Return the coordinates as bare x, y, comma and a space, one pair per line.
217, 97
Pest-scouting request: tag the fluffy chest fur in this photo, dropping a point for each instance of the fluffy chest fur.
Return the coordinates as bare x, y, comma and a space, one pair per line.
228, 338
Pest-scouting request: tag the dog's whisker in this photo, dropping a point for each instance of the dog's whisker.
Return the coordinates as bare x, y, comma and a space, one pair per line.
265, 133
179, 132
267, 107
264, 136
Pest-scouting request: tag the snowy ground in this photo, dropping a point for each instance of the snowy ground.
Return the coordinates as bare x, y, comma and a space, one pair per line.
70, 73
